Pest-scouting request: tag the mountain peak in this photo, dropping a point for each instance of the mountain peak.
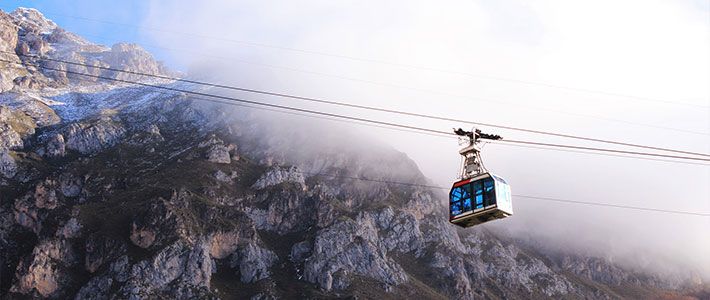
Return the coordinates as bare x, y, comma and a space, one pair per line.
34, 17
29, 34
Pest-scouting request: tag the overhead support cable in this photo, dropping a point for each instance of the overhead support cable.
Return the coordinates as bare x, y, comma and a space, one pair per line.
232, 101
594, 149
373, 108
443, 135
392, 124
548, 199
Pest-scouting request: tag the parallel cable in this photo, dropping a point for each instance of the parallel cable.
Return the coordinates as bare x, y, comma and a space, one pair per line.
434, 134
559, 200
479, 99
395, 64
383, 126
614, 205
395, 125
604, 154
243, 100
588, 148
337, 115
330, 102
463, 96
439, 134
417, 89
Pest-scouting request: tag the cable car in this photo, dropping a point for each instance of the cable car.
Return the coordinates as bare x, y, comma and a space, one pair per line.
478, 196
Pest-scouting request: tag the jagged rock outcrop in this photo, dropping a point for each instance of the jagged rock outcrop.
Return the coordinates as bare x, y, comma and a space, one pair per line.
224, 177
223, 244
54, 146
218, 154
280, 175
27, 215
188, 266
45, 195
92, 137
9, 138
131, 57
45, 272
253, 262
33, 20
36, 108
14, 126
346, 248
217, 151
8, 166
8, 43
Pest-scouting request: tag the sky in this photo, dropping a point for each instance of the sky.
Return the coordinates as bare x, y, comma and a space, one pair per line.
503, 62
93, 19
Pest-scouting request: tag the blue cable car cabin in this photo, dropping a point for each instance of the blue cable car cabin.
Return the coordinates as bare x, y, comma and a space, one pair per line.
480, 199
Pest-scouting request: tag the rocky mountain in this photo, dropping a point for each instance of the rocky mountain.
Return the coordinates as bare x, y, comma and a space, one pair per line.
113, 191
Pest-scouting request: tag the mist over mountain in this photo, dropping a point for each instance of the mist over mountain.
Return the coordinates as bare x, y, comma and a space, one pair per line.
117, 191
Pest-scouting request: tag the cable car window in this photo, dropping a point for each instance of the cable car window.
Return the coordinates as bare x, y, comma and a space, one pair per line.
467, 205
477, 187
460, 199
489, 191
460, 193
456, 208
478, 194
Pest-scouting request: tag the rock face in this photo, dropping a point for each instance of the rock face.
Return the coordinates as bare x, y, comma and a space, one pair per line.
8, 166
253, 262
54, 146
217, 151
350, 248
92, 137
14, 126
133, 57
8, 43
114, 192
43, 275
278, 176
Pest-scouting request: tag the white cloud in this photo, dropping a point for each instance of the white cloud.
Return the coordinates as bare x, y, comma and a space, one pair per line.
654, 49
